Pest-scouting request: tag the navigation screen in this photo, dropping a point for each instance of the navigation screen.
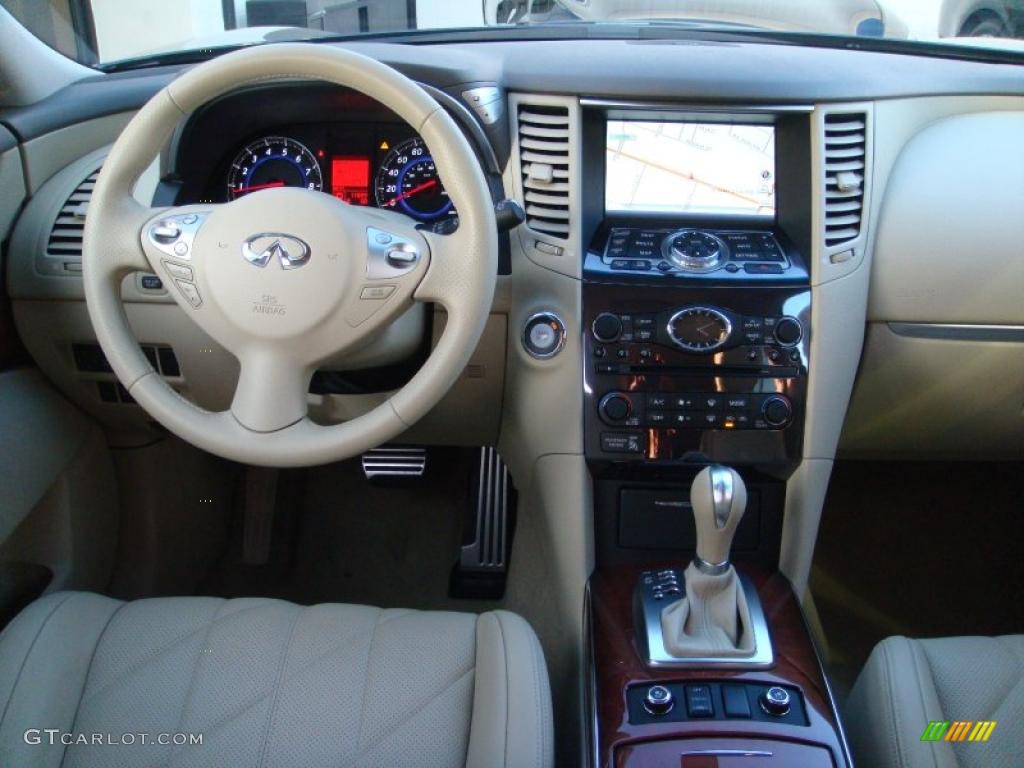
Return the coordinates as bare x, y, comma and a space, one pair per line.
696, 168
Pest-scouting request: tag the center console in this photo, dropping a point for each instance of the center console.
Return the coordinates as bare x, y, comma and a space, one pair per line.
696, 343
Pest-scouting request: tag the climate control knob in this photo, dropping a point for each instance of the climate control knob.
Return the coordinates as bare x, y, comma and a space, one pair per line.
607, 327
788, 331
777, 411
615, 407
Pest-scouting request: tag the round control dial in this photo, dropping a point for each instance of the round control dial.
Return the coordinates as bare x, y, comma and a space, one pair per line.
659, 700
776, 701
607, 327
788, 331
694, 251
615, 407
699, 329
777, 411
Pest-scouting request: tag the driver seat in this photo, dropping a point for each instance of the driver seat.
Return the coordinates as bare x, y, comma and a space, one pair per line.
269, 683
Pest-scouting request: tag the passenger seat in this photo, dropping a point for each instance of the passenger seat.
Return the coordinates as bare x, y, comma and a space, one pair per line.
964, 681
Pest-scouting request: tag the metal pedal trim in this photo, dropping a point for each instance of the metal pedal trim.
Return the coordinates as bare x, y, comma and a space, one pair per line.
388, 462
488, 551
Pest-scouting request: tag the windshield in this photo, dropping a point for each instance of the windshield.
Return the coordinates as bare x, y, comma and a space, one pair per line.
98, 32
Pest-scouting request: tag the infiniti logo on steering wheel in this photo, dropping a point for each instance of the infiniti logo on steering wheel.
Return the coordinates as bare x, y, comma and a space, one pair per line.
290, 251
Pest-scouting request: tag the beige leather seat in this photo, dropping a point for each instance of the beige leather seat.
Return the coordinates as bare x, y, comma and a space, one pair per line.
908, 683
269, 683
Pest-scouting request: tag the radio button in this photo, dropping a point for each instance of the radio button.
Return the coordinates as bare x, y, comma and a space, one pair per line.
607, 327
788, 331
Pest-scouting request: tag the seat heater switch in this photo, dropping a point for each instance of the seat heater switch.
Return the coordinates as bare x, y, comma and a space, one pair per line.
659, 700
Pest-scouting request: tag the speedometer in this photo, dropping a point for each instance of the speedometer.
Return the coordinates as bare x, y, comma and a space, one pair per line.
273, 161
407, 181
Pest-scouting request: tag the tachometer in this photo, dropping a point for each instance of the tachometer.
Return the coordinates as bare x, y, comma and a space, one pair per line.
407, 181
273, 161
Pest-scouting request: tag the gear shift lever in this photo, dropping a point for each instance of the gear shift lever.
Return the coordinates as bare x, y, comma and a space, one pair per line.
719, 499
713, 619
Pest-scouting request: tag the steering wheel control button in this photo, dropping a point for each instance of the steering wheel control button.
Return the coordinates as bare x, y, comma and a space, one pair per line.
776, 701
402, 256
179, 271
165, 231
151, 283
173, 235
698, 701
190, 292
376, 292
544, 335
659, 700
388, 255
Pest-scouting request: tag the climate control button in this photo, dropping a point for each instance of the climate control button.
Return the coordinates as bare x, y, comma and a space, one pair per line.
615, 407
777, 411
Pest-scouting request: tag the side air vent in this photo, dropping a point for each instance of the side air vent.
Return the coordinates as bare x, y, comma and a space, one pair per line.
544, 160
845, 150
66, 236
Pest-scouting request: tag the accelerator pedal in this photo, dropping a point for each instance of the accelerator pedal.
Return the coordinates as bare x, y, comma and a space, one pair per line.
482, 568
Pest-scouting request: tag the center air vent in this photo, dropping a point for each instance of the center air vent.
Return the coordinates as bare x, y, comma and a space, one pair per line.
66, 236
545, 163
845, 171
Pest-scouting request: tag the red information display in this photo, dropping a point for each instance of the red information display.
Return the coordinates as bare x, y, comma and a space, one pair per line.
350, 179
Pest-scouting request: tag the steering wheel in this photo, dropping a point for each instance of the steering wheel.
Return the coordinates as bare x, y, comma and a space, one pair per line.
286, 278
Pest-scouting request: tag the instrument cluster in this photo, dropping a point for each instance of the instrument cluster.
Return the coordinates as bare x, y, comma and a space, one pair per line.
383, 165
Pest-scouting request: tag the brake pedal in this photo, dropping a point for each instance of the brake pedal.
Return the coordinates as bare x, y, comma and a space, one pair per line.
483, 560
394, 464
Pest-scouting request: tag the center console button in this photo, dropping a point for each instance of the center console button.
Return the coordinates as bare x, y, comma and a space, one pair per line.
735, 701
657, 401
698, 701
788, 331
612, 442
616, 407
659, 700
775, 701
607, 327
777, 411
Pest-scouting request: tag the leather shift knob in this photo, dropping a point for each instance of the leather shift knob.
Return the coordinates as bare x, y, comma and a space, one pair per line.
719, 498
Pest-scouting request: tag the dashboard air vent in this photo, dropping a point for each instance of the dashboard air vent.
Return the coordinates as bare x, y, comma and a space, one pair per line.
544, 160
66, 236
845, 168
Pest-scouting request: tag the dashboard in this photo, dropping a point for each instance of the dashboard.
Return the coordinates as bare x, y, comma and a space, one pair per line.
749, 246
327, 140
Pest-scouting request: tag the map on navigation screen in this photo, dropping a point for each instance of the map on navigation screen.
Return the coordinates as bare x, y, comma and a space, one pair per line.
696, 168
